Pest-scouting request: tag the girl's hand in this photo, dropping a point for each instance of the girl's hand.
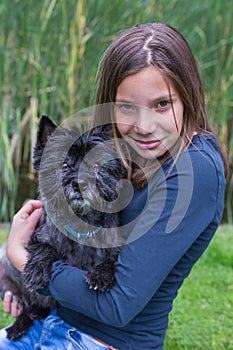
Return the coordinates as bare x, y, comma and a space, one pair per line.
23, 225
11, 304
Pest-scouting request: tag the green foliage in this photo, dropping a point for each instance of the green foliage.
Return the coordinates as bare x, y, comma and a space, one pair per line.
3, 233
49, 53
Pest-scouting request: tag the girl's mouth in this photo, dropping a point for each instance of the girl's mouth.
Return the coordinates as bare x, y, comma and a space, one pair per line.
147, 144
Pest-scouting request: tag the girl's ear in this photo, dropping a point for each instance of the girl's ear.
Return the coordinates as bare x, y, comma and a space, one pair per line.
46, 128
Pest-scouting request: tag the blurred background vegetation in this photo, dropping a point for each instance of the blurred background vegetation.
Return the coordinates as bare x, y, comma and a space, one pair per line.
49, 54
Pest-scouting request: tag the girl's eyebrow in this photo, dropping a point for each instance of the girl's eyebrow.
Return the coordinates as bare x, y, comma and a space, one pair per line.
163, 97
121, 100
150, 102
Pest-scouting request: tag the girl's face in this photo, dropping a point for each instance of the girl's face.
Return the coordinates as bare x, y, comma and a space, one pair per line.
148, 116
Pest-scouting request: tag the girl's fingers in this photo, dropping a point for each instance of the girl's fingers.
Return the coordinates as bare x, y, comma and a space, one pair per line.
7, 301
14, 307
29, 208
11, 304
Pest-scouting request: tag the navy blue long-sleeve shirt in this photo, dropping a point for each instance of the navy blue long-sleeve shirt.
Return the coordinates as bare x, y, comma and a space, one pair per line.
171, 223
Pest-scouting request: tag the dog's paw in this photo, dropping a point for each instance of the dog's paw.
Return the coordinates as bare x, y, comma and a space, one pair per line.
19, 328
101, 277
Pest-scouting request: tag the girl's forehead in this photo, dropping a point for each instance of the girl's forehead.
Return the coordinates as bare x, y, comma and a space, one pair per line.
149, 84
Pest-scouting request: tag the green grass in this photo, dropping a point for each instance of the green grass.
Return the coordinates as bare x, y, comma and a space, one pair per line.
202, 314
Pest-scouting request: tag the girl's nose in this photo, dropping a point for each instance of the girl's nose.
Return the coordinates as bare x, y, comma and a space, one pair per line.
139, 129
145, 123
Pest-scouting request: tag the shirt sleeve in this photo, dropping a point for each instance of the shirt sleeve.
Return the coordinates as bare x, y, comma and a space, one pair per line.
181, 203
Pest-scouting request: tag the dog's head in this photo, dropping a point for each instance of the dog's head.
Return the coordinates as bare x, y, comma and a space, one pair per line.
86, 167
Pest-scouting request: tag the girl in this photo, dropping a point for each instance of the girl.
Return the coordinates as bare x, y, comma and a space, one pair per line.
150, 78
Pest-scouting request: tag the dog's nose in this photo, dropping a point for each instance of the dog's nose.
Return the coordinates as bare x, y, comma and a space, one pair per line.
80, 185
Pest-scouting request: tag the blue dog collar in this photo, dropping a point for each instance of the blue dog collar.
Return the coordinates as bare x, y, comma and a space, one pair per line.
87, 234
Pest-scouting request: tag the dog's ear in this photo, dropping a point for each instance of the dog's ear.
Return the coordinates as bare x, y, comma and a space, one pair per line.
46, 128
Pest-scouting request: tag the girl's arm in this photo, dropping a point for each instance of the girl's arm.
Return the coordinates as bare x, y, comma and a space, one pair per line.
23, 225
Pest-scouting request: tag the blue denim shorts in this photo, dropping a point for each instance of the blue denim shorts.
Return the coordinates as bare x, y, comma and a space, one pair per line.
53, 334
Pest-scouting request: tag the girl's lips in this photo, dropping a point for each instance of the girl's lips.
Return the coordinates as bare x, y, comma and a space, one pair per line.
147, 144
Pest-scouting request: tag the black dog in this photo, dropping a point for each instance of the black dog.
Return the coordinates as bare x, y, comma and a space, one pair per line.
79, 179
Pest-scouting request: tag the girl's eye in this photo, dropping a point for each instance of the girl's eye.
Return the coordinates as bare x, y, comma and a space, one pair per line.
126, 107
163, 105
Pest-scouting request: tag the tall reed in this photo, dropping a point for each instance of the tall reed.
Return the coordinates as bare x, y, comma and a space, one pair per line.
49, 52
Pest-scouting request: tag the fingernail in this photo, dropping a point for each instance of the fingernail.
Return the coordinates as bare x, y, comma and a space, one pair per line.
14, 298
8, 293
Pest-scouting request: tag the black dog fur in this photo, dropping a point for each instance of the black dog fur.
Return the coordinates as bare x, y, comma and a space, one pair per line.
72, 186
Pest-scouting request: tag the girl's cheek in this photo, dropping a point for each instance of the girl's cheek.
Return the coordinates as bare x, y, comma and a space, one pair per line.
122, 128
123, 124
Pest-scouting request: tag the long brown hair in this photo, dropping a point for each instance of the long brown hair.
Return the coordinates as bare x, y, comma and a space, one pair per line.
159, 45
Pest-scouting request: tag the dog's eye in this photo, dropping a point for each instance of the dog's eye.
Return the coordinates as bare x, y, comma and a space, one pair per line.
96, 167
65, 166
